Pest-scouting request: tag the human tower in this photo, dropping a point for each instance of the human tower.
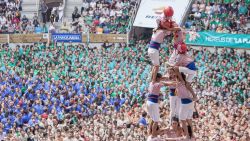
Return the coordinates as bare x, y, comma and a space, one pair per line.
181, 72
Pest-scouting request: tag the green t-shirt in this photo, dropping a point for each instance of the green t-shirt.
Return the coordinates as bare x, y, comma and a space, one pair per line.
36, 72
247, 2
89, 20
227, 1
243, 10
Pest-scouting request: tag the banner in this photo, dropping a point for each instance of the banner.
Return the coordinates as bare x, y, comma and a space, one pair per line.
67, 37
150, 10
218, 39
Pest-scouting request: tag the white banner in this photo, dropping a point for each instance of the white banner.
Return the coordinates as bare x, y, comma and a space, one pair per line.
150, 10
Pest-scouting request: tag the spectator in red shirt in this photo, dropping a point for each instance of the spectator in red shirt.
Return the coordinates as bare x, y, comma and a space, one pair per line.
15, 20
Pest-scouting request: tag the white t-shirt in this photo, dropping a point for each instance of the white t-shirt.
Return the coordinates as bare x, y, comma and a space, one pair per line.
120, 123
119, 13
112, 13
119, 5
102, 19
197, 14
85, 5
91, 13
105, 11
93, 4
3, 20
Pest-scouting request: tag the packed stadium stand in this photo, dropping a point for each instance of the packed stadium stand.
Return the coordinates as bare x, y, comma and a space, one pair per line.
223, 17
56, 91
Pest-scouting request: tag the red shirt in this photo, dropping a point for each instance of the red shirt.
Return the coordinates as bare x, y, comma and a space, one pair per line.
15, 20
96, 22
44, 115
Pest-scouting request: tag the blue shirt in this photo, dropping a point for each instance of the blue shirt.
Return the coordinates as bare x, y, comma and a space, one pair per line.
143, 121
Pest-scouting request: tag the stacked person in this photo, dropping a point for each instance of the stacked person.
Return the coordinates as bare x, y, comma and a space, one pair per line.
164, 25
157, 81
183, 64
184, 100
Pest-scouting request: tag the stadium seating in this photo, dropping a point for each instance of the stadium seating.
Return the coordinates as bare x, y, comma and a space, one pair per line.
100, 17
222, 17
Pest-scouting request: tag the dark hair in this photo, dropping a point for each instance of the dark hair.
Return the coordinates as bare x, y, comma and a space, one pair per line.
183, 76
158, 75
144, 114
151, 123
175, 119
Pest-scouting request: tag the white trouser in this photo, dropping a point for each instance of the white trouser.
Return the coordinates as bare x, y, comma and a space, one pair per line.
153, 111
154, 56
174, 106
190, 73
186, 111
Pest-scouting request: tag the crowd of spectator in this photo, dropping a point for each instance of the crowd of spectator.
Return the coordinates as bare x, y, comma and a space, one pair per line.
101, 17
228, 16
53, 93
12, 22
104, 17
10, 16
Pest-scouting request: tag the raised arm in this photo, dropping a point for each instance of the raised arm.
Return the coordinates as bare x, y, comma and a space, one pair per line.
188, 86
159, 132
166, 28
169, 83
154, 73
171, 29
178, 74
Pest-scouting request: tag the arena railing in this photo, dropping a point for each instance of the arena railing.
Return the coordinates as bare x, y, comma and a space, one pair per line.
32, 38
187, 12
132, 19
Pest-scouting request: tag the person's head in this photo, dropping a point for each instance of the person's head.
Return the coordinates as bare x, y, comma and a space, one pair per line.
171, 73
144, 114
151, 124
175, 122
158, 77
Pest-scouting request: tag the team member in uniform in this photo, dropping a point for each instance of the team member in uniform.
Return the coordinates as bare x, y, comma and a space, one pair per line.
164, 27
152, 104
155, 44
180, 57
174, 100
184, 63
188, 97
